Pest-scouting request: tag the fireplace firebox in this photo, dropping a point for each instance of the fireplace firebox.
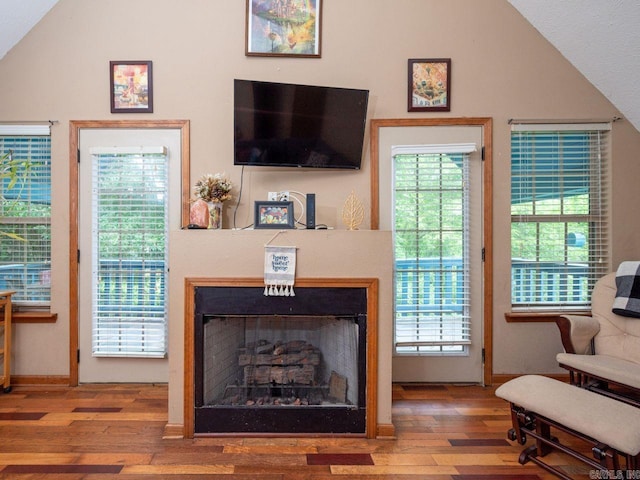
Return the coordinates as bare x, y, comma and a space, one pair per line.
280, 365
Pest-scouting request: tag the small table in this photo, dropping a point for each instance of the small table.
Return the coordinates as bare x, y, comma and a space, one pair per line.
5, 350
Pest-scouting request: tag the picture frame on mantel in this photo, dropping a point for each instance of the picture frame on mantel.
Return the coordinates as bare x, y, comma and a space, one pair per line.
276, 28
131, 86
270, 214
429, 85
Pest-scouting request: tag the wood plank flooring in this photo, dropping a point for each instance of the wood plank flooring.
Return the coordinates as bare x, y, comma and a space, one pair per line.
99, 432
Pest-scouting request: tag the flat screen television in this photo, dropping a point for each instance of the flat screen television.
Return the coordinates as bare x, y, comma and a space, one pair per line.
287, 125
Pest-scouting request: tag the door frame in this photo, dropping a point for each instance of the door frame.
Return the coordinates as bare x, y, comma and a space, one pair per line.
75, 126
487, 202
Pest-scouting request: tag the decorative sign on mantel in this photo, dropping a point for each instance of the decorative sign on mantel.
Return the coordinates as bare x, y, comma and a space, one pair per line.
279, 271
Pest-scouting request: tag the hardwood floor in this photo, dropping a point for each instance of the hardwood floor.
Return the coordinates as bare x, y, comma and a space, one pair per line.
99, 432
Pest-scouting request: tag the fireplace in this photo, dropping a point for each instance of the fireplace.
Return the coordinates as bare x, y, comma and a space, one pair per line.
296, 365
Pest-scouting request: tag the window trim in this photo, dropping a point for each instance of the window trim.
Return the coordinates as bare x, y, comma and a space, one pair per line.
75, 127
486, 125
34, 316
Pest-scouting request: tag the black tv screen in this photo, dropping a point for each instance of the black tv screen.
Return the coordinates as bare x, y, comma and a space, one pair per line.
286, 125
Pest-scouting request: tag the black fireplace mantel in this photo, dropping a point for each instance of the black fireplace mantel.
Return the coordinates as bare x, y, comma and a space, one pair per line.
307, 301
356, 298
243, 302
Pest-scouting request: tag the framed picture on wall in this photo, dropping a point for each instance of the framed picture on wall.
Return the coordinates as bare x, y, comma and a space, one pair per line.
429, 85
131, 87
283, 29
273, 215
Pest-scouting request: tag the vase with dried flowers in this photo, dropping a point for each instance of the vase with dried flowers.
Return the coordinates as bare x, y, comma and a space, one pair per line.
213, 190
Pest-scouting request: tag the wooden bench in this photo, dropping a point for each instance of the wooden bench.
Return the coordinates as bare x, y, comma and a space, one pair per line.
612, 428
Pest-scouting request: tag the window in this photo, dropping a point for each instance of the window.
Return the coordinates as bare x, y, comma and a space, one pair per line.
431, 243
25, 213
559, 214
130, 247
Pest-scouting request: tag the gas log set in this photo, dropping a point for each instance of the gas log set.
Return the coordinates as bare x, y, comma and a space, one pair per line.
283, 373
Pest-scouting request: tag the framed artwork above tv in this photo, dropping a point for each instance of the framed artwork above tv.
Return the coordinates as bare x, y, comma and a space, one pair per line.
429, 85
131, 86
278, 28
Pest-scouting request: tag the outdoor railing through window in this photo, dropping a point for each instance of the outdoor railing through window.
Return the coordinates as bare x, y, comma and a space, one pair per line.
131, 283
130, 307
550, 283
30, 281
430, 305
438, 297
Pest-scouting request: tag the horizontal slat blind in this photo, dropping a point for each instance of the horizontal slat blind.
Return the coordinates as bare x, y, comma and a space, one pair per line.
129, 258
431, 252
559, 215
25, 217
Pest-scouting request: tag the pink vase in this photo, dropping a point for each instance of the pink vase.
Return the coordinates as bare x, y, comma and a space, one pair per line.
199, 214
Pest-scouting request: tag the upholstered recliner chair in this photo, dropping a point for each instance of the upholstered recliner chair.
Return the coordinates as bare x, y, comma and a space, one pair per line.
602, 351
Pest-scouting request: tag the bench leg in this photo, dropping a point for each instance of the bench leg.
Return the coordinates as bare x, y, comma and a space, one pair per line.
517, 420
633, 466
606, 456
531, 454
543, 429
574, 378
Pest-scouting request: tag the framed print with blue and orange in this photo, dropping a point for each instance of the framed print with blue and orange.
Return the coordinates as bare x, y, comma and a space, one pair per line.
283, 28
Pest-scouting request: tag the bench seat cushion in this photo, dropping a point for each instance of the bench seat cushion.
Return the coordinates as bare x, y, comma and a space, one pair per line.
614, 369
601, 418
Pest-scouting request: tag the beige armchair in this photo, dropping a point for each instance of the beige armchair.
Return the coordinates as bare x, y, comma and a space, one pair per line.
602, 351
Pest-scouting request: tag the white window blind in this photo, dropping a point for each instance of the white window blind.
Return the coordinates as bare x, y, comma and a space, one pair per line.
431, 225
559, 214
129, 257
25, 213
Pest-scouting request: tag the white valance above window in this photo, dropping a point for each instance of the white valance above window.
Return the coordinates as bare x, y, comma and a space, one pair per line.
560, 127
436, 149
141, 150
30, 130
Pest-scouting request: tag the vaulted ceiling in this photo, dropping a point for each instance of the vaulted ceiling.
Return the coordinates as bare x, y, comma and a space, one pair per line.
600, 38
17, 17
